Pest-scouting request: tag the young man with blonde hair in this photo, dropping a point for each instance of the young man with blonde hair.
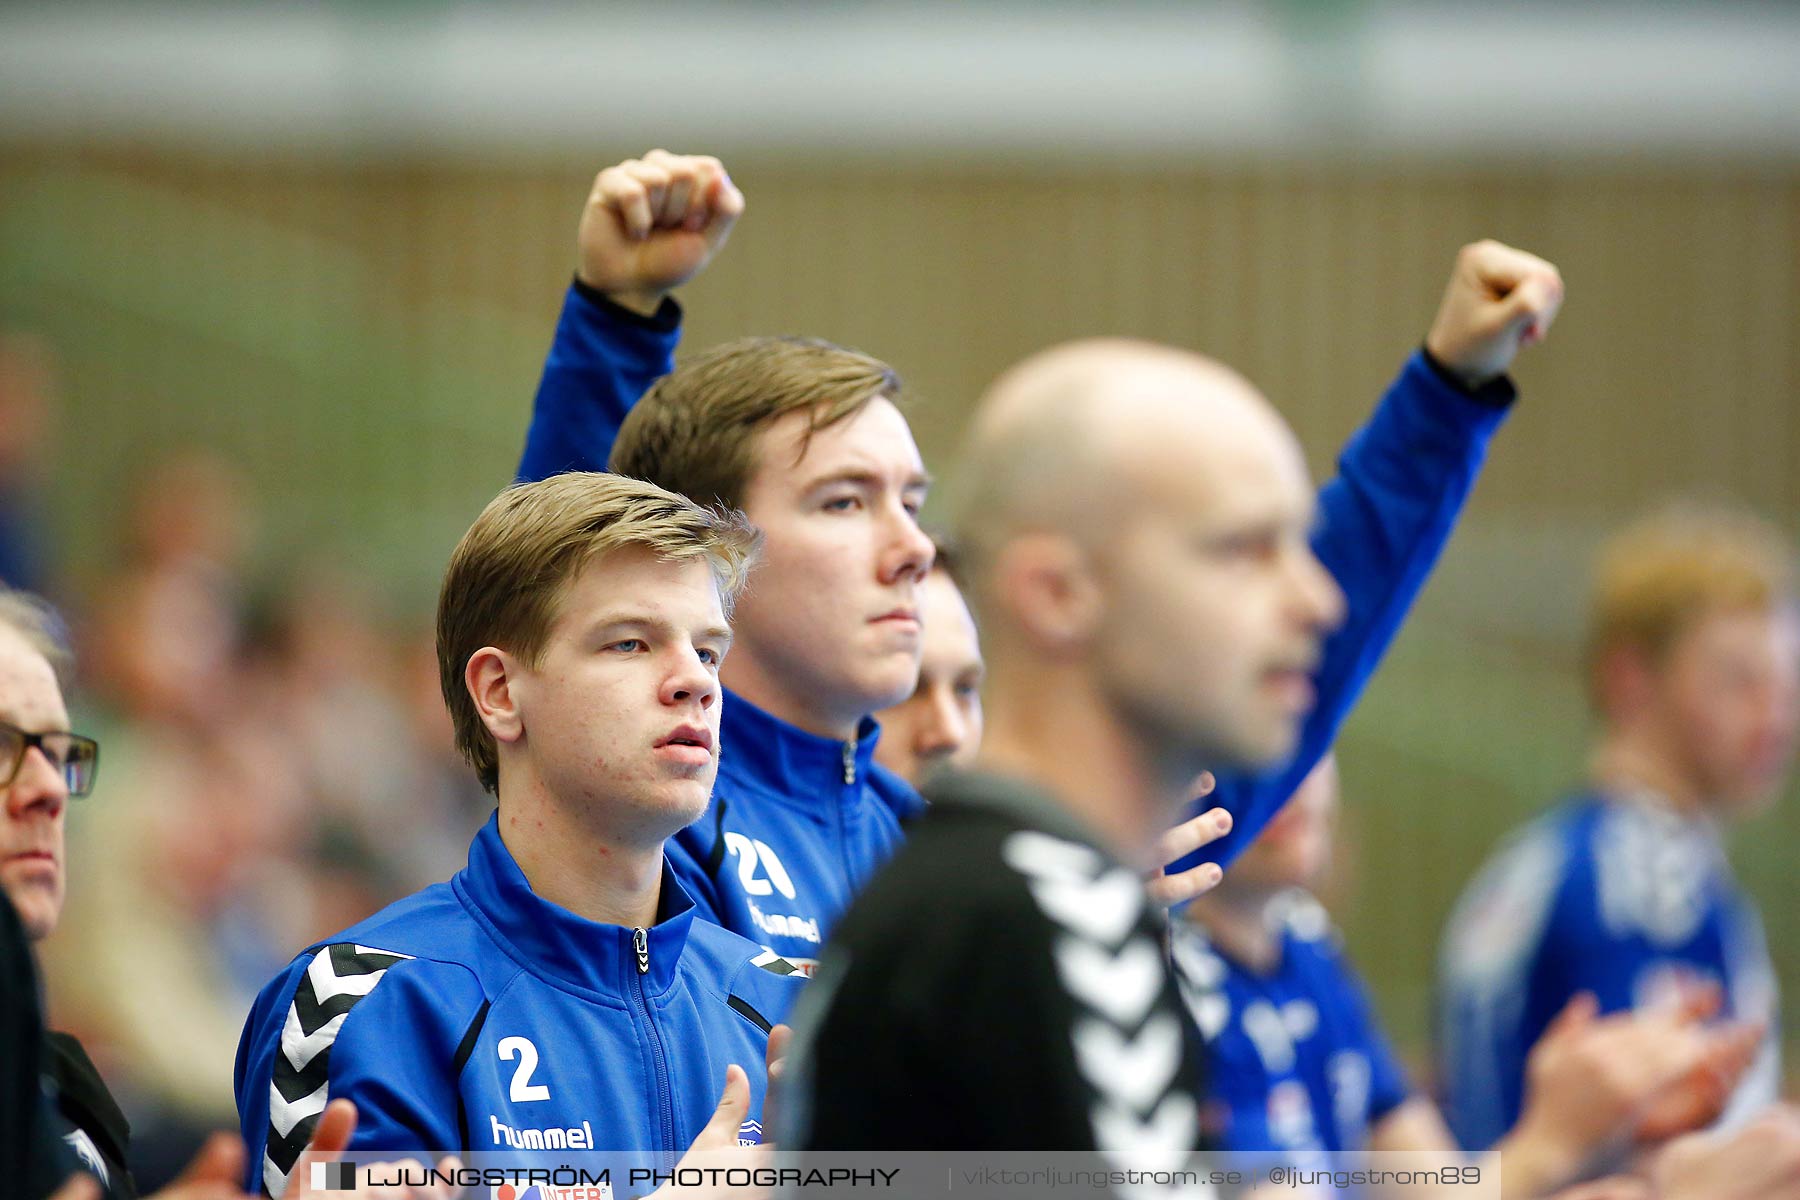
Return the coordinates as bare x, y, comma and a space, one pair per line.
807, 438
558, 993
1623, 892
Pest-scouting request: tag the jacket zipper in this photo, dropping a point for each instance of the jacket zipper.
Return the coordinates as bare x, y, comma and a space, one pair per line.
843, 832
640, 945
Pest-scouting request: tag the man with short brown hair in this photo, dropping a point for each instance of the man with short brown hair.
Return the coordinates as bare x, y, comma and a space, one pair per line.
512, 571
700, 427
1623, 891
581, 627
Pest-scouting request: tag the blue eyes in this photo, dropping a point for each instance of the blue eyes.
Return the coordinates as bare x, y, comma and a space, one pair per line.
853, 503
707, 654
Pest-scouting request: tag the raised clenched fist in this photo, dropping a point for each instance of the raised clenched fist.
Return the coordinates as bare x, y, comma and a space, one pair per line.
652, 224
1499, 300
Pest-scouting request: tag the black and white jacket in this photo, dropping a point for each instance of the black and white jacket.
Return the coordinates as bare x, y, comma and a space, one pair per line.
1001, 985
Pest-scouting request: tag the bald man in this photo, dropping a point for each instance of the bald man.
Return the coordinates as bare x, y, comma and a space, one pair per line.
1134, 521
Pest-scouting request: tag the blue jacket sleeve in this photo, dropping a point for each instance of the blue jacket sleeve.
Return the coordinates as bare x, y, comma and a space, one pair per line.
602, 359
257, 1047
391, 1050
1383, 520
406, 1102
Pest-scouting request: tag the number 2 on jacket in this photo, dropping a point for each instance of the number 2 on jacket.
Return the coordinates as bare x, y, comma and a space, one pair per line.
527, 1054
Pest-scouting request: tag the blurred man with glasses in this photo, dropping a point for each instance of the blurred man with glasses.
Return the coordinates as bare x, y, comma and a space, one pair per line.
59, 1125
42, 765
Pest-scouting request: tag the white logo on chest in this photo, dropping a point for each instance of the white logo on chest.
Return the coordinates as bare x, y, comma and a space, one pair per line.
759, 870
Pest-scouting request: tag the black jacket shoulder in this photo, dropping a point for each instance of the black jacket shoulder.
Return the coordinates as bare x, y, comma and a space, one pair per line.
83, 1099
958, 1006
21, 1028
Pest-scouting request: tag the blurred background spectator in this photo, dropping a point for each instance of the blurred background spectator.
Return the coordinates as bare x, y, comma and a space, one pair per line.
27, 381
282, 784
275, 284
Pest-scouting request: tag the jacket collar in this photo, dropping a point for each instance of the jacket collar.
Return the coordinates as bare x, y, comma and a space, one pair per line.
791, 763
1019, 801
549, 940
1654, 811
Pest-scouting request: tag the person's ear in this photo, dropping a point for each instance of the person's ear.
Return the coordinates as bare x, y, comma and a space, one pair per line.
1047, 583
1624, 680
490, 676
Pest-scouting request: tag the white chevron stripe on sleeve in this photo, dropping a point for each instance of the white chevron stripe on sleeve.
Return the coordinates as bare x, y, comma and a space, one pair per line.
1133, 1070
1161, 1143
1105, 909
274, 1178
362, 949
301, 1048
1124, 986
1044, 857
327, 983
297, 1049
284, 1114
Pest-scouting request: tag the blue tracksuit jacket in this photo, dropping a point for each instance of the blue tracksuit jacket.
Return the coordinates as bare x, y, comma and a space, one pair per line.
475, 1016
1384, 518
1620, 899
1297, 1066
795, 826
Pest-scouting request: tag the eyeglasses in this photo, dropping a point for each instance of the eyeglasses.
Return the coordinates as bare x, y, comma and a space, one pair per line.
76, 757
